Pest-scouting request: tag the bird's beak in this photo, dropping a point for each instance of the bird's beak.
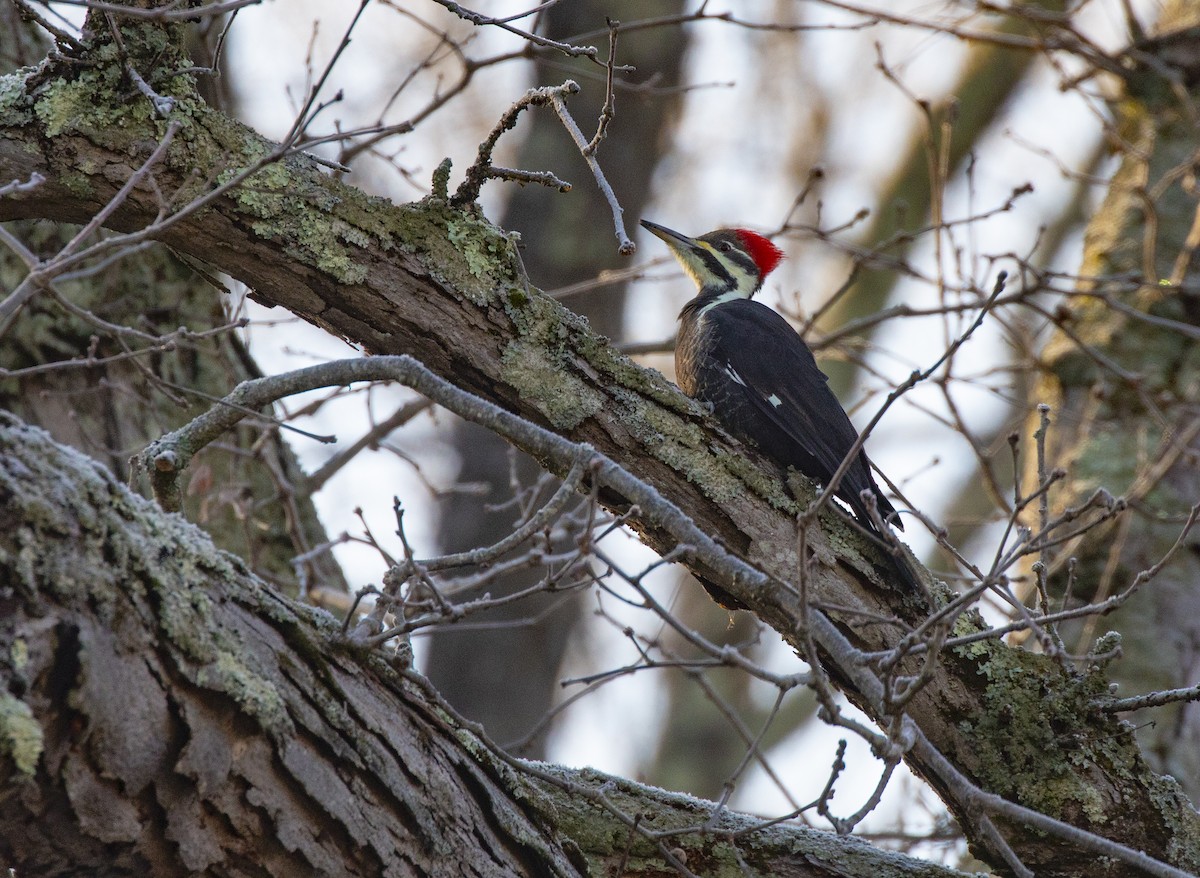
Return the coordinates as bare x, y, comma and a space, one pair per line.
689, 252
672, 238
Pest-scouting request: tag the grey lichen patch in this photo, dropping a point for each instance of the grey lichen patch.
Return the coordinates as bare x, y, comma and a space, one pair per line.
840, 536
477, 251
1183, 822
20, 734
255, 694
702, 469
524, 787
16, 109
567, 334
681, 445
560, 395
185, 617
471, 743
652, 423
623, 372
366, 217
761, 481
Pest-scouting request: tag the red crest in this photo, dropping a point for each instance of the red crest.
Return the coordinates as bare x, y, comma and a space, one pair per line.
765, 254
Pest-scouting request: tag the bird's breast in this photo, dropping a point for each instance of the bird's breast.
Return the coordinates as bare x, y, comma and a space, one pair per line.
691, 353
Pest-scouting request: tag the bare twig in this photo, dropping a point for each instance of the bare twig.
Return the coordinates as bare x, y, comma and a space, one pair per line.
479, 20
483, 170
607, 111
625, 246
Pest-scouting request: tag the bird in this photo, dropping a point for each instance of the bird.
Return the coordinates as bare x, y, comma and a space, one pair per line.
747, 364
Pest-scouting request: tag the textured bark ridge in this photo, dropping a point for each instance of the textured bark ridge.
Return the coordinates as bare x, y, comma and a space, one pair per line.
168, 714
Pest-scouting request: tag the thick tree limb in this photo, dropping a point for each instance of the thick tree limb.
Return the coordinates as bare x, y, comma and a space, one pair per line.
168, 714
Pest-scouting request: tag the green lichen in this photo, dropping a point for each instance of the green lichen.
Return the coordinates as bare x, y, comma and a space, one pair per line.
88, 105
966, 625
637, 383
1017, 743
481, 247
560, 395
840, 537
682, 445
294, 208
186, 617
155, 49
256, 696
459, 249
77, 184
20, 734
1182, 822
440, 188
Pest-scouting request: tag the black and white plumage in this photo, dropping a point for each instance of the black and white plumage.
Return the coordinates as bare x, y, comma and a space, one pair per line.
753, 369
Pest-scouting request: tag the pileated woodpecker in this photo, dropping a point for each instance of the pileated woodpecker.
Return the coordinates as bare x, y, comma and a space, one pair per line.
760, 379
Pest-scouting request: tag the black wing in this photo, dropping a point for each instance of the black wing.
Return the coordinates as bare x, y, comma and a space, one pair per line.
777, 396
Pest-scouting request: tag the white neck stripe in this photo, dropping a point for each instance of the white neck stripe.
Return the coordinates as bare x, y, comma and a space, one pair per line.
728, 296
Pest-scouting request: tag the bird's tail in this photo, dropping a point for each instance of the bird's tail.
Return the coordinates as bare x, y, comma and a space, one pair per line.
905, 566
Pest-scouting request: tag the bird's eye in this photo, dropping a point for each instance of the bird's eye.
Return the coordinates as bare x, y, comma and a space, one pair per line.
724, 246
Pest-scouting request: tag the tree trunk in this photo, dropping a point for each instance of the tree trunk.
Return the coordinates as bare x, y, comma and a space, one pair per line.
173, 715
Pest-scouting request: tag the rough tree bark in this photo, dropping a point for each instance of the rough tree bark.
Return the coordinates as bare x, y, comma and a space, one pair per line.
167, 713
442, 284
